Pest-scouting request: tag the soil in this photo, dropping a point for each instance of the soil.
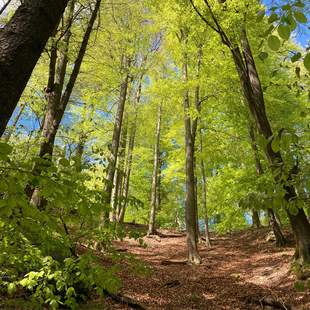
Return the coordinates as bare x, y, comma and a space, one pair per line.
240, 271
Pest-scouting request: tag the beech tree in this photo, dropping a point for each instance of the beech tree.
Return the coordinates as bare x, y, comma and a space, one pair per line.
32, 24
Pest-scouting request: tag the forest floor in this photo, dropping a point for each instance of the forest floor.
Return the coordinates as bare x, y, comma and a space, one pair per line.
240, 271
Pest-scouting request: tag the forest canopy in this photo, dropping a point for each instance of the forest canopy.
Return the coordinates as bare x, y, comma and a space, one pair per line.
186, 115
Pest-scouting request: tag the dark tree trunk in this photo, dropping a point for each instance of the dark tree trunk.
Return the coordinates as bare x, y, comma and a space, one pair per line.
190, 207
253, 94
56, 103
299, 221
22, 41
255, 219
280, 239
154, 192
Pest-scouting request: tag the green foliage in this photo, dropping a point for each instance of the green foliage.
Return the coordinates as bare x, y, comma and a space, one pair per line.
45, 261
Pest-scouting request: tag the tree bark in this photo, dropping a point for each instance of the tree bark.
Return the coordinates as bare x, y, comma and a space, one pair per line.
22, 41
252, 90
280, 239
190, 207
255, 219
57, 103
299, 221
116, 138
154, 192
204, 194
131, 145
119, 174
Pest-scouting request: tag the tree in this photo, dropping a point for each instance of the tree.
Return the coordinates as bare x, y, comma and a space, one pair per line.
32, 24
253, 93
58, 101
155, 176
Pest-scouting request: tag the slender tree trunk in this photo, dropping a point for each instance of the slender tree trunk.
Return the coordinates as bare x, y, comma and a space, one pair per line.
80, 151
280, 239
131, 145
22, 41
116, 139
255, 219
154, 192
119, 174
5, 6
190, 208
123, 204
194, 133
204, 194
56, 103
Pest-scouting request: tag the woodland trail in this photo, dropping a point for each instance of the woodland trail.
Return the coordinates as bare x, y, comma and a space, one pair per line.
238, 272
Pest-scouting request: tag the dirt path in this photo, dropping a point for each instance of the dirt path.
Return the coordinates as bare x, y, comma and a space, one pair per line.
238, 269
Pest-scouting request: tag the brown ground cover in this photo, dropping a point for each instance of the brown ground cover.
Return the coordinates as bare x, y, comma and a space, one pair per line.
240, 271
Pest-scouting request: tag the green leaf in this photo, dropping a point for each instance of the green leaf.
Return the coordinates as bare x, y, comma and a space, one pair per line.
297, 72
64, 162
263, 55
272, 18
274, 43
275, 145
260, 15
11, 288
284, 32
286, 7
291, 22
300, 17
5, 148
299, 4
307, 62
296, 57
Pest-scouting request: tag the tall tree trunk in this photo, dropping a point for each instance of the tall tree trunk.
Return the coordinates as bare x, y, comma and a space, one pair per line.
56, 103
119, 174
154, 192
255, 99
22, 41
116, 138
280, 239
253, 94
255, 219
131, 145
194, 133
190, 207
204, 194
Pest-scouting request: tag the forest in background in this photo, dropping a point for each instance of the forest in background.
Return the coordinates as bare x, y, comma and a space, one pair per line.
177, 114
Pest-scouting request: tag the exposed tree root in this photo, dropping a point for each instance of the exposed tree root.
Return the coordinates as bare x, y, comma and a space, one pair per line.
268, 302
173, 283
173, 262
125, 300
